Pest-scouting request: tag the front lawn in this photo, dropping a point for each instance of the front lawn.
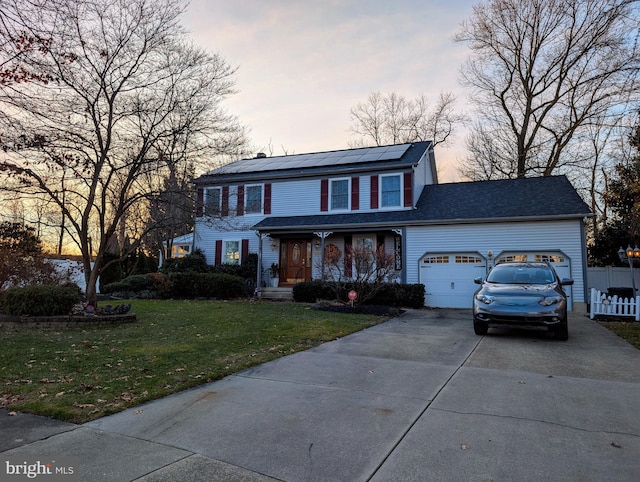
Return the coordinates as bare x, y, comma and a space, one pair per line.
80, 374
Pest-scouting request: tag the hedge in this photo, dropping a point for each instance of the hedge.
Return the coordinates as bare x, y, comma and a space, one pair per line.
39, 300
389, 294
207, 285
135, 283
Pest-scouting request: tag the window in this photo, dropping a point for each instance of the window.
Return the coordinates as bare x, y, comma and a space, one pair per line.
231, 252
518, 258
212, 200
466, 259
549, 258
436, 260
390, 191
253, 202
340, 194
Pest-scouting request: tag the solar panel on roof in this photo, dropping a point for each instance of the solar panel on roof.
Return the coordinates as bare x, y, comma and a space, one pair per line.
320, 159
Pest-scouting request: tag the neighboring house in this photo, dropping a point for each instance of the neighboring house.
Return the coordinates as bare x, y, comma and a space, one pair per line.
181, 246
291, 209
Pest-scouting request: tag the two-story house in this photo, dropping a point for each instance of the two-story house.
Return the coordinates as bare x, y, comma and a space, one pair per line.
292, 209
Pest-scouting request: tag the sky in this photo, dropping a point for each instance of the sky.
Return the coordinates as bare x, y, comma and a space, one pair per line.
302, 65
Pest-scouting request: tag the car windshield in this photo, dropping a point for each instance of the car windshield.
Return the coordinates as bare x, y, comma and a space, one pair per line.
535, 275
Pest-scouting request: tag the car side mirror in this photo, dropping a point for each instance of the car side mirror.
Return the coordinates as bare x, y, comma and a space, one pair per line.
566, 282
478, 281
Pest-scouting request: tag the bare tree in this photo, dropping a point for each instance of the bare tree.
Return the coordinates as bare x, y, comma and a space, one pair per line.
541, 71
365, 269
392, 119
90, 93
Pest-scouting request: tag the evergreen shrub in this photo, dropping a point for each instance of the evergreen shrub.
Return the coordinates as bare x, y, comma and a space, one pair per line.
39, 300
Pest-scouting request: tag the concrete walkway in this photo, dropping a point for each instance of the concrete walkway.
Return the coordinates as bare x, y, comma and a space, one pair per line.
417, 398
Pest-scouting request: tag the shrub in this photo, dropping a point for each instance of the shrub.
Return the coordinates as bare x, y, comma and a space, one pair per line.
207, 285
135, 283
388, 294
312, 291
195, 261
39, 300
161, 284
398, 294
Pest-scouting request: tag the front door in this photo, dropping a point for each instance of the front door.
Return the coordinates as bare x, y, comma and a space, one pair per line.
297, 265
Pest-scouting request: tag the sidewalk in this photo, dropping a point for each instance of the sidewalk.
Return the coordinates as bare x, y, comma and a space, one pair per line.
417, 398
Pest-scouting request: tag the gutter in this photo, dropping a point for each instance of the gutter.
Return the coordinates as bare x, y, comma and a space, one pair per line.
439, 222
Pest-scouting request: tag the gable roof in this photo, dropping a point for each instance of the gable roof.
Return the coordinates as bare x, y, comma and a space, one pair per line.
333, 162
526, 199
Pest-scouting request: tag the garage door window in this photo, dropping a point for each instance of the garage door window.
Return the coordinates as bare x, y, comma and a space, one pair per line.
468, 259
518, 258
436, 260
549, 258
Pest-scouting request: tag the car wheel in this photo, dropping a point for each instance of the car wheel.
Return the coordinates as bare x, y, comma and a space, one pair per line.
480, 328
562, 331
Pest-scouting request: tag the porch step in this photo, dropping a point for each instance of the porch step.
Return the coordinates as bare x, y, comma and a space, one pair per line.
280, 294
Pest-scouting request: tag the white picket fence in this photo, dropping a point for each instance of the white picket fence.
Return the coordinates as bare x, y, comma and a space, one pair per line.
601, 304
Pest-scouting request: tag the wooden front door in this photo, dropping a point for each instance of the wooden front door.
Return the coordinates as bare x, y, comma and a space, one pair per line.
297, 265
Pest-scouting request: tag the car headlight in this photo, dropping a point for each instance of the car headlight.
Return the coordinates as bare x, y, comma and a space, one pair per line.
550, 300
486, 299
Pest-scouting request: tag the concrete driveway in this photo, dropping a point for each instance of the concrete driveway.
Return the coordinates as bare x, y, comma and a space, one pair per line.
417, 398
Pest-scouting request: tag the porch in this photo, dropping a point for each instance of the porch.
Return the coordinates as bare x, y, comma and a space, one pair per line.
296, 257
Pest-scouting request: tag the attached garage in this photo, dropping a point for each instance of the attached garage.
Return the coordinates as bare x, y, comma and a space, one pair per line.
448, 278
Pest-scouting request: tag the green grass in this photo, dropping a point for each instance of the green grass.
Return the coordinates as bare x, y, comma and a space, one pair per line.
80, 374
629, 331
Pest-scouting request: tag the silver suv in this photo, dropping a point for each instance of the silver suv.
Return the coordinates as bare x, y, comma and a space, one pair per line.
521, 294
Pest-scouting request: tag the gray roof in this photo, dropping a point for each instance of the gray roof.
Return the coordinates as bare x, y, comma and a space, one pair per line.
343, 161
538, 198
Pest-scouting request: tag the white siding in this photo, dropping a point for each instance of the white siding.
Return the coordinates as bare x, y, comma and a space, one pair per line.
301, 197
298, 197
564, 236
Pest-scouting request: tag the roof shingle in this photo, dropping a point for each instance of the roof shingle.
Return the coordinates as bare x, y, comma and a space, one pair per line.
551, 197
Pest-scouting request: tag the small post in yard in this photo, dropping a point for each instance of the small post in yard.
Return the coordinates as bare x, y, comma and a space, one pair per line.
353, 295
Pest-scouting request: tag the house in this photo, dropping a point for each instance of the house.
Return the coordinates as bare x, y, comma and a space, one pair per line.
178, 247
291, 209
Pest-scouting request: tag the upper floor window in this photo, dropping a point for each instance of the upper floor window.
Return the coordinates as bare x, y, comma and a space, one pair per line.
340, 194
390, 192
212, 200
253, 202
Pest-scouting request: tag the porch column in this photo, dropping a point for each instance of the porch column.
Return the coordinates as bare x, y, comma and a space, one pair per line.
322, 235
261, 236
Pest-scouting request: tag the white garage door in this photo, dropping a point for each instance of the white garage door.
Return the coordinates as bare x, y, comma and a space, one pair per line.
558, 260
448, 278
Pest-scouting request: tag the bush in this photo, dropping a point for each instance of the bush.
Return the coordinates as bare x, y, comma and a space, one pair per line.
161, 284
135, 283
39, 300
388, 294
397, 294
195, 261
207, 285
312, 291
